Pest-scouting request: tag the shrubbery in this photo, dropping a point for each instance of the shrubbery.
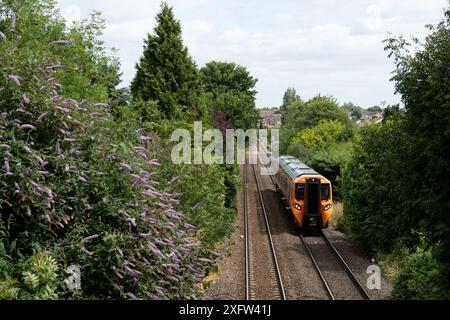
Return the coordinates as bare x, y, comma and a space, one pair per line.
396, 185
81, 187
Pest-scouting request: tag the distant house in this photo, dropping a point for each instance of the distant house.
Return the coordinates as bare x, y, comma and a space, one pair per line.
373, 117
270, 119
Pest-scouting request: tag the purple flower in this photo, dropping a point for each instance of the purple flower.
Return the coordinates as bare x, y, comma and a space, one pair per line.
132, 221
27, 149
70, 139
94, 236
25, 99
195, 207
100, 105
27, 126
13, 20
71, 101
174, 179
118, 272
15, 79
132, 296
89, 253
5, 146
126, 166
138, 179
58, 148
95, 114
145, 138
189, 226
41, 161
6, 166
42, 116
153, 163
140, 149
65, 110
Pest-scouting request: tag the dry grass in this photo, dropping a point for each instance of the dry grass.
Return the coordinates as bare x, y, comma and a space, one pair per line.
337, 221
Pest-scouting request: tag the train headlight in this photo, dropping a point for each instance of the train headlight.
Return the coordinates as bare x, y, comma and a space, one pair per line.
297, 206
328, 207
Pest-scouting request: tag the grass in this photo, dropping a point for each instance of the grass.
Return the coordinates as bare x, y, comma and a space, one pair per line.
337, 220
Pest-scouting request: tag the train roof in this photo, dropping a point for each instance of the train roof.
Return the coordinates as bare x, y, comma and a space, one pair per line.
294, 167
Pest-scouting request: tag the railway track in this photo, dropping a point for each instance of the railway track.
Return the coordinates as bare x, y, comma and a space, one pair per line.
262, 272
337, 256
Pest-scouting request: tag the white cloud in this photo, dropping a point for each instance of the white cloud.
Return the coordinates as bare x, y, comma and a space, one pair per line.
328, 46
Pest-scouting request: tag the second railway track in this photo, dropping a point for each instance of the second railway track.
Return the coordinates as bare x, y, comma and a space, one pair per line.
262, 272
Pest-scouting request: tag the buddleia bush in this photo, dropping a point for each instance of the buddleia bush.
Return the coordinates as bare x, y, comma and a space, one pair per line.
73, 189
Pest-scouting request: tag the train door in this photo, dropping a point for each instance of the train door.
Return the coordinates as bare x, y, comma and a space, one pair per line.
312, 205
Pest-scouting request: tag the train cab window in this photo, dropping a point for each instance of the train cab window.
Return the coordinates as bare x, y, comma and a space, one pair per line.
300, 191
325, 191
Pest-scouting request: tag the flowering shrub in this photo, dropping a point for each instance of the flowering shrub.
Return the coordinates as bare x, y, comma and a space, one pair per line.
69, 187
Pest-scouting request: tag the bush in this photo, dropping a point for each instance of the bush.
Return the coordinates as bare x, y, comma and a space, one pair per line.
78, 188
420, 277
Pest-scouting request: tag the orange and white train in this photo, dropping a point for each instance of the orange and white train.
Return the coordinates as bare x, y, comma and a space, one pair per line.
307, 194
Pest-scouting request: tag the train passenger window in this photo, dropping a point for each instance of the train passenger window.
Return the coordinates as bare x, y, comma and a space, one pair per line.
300, 191
325, 191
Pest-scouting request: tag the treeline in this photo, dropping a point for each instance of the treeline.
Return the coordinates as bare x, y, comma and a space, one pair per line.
86, 179
393, 176
397, 184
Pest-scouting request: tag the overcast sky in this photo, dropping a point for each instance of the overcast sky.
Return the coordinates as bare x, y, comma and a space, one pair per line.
316, 46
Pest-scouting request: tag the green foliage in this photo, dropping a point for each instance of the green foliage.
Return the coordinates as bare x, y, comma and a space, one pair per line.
356, 112
77, 183
393, 111
375, 109
320, 136
238, 108
319, 133
230, 90
373, 188
41, 280
220, 77
166, 73
420, 276
398, 180
290, 96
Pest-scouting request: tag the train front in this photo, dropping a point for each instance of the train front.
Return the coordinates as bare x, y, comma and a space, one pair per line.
312, 201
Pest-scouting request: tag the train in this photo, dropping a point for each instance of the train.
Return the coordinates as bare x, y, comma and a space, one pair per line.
307, 194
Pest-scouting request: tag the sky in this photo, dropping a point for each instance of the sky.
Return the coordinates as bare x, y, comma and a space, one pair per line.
331, 47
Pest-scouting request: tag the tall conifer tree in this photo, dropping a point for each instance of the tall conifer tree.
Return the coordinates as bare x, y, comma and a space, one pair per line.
166, 73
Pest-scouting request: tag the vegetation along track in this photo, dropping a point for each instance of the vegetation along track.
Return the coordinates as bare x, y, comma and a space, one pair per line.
262, 273
330, 256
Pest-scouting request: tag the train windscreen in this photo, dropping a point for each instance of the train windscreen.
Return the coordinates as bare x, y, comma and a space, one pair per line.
325, 191
300, 191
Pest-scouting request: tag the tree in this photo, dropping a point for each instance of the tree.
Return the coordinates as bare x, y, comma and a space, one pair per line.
290, 96
392, 111
219, 77
355, 112
375, 109
397, 182
230, 90
423, 81
166, 73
